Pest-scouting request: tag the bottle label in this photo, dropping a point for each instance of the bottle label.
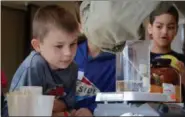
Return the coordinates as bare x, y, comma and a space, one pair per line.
169, 90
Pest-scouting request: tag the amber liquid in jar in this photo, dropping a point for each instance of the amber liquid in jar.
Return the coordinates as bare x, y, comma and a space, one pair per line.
165, 79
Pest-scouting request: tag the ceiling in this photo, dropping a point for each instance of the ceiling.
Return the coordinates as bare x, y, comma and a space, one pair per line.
73, 6
23, 4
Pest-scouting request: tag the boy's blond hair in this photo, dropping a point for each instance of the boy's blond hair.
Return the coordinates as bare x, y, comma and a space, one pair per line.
52, 16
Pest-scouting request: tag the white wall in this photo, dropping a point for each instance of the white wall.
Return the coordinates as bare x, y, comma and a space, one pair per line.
177, 44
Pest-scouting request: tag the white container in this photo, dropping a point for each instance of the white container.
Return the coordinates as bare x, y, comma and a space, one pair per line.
30, 105
36, 90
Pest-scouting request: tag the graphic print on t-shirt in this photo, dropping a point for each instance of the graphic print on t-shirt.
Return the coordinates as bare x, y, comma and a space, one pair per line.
85, 88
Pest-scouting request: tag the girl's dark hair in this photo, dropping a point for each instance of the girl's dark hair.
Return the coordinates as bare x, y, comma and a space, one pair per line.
164, 8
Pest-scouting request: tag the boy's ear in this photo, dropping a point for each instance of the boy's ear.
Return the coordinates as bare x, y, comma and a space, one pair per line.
35, 44
149, 27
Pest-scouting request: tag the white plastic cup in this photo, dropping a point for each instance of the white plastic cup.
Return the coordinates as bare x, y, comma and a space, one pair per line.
31, 90
17, 105
30, 105
41, 105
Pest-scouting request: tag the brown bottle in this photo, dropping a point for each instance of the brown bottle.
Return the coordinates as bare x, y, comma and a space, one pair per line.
165, 79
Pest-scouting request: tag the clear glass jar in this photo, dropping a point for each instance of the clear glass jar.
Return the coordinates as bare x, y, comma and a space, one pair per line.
133, 67
165, 79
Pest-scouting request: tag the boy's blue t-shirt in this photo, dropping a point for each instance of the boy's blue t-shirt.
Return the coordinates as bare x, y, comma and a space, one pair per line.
94, 75
35, 71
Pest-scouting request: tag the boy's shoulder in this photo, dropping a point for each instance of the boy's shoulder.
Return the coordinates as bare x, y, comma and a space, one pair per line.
34, 59
179, 56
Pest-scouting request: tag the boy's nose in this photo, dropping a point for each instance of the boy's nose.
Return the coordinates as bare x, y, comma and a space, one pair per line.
164, 30
67, 51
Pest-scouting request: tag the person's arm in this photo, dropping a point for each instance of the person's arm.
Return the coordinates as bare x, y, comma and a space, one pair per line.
92, 107
182, 71
82, 112
65, 103
58, 92
181, 66
59, 106
85, 111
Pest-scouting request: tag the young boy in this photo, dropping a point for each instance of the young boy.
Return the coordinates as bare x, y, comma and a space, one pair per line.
96, 74
50, 65
163, 29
